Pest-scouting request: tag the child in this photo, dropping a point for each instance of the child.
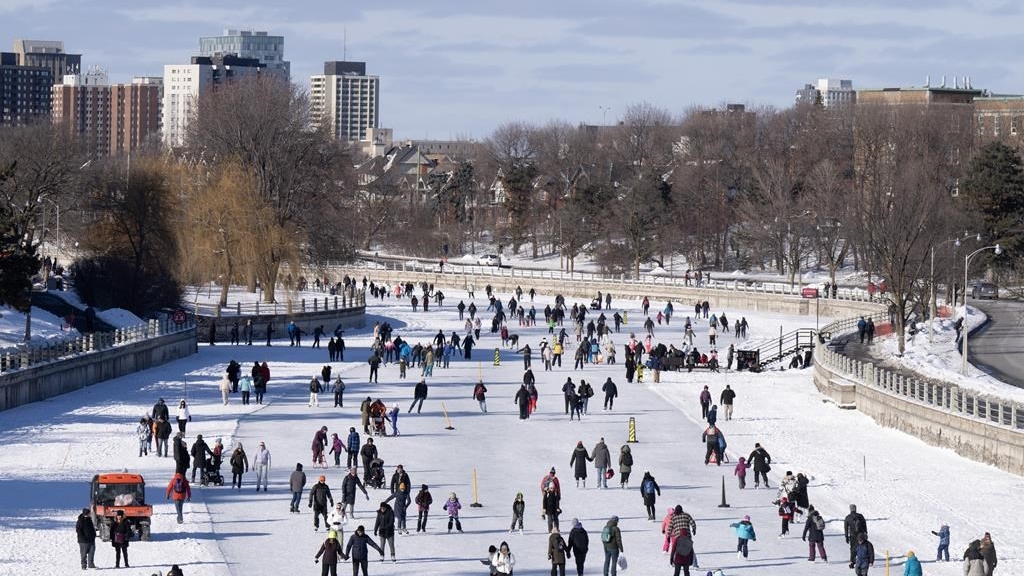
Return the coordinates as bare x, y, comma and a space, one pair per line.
741, 472
786, 512
744, 534
401, 367
452, 506
393, 417
336, 448
664, 530
518, 508
943, 552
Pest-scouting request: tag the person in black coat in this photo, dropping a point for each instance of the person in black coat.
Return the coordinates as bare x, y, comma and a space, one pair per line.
385, 527
349, 485
761, 462
579, 460
319, 496
610, 392
650, 490
577, 545
368, 453
523, 400
181, 460
419, 394
86, 532
120, 535
160, 409
200, 450
358, 549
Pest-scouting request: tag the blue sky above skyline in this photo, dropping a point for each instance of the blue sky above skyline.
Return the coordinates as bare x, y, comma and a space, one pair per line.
460, 69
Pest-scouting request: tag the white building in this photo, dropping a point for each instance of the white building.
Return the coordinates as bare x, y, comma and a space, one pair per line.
831, 92
346, 100
184, 83
248, 44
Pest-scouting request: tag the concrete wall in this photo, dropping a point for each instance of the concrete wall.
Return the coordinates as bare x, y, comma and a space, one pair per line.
44, 381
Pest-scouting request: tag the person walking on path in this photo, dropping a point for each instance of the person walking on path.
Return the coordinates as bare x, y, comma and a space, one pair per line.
726, 399
864, 555
296, 482
358, 549
85, 531
578, 544
423, 502
650, 490
912, 567
814, 535
121, 535
579, 460
744, 535
239, 465
602, 461
180, 491
761, 462
988, 550
853, 525
261, 462
557, 552
611, 540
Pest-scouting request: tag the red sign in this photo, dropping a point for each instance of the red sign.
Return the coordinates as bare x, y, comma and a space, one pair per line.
178, 317
809, 292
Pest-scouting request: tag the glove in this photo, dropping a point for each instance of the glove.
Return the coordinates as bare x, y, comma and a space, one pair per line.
311, 505
316, 560
804, 539
367, 496
188, 499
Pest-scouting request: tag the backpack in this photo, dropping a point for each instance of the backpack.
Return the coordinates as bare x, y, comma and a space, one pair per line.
179, 485
819, 522
606, 534
627, 459
649, 487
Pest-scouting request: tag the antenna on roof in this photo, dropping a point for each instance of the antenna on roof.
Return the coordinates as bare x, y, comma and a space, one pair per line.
344, 44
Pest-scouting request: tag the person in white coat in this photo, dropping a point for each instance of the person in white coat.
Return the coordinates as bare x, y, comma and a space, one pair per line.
338, 517
503, 560
184, 416
261, 463
225, 389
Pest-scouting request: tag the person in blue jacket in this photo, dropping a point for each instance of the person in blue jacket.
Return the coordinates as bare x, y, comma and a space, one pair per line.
942, 554
912, 567
744, 534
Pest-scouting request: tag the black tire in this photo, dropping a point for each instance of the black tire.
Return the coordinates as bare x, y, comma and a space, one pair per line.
144, 533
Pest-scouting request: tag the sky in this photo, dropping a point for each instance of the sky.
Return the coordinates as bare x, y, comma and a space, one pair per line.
460, 69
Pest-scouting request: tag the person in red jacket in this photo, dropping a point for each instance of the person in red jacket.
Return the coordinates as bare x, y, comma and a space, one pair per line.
180, 490
549, 481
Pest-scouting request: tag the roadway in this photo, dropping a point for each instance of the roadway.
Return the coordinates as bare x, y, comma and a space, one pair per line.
998, 347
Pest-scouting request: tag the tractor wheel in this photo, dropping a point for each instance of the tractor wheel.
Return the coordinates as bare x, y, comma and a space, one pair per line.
144, 531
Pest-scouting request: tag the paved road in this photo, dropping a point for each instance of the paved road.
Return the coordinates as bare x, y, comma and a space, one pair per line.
998, 348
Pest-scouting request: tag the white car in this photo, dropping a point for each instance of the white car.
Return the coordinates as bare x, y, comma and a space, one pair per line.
489, 260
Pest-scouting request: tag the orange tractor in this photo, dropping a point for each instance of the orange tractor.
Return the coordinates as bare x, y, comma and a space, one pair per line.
122, 491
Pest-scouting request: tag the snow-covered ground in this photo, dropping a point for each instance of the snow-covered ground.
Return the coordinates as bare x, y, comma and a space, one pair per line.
904, 487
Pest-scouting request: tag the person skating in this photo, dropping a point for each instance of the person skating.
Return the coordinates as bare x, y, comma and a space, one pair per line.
665, 523
787, 512
480, 395
180, 491
318, 445
611, 540
419, 395
681, 554
452, 506
522, 400
518, 511
296, 482
854, 524
726, 399
602, 461
705, 402
650, 490
568, 390
423, 502
504, 561
337, 447
330, 552
814, 535
368, 453
557, 552
349, 485
578, 544
200, 450
358, 550
863, 555
551, 502
239, 465
579, 460
319, 496
744, 535
384, 527
85, 531
710, 437
352, 448
611, 391
761, 461
261, 463
625, 465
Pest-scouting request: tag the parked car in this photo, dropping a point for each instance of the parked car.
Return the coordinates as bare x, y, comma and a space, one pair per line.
983, 290
489, 260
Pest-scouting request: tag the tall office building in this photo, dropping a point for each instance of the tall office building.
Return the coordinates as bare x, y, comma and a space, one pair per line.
249, 44
346, 100
185, 83
24, 91
48, 54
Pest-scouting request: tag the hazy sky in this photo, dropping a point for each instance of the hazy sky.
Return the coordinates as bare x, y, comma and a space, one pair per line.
459, 69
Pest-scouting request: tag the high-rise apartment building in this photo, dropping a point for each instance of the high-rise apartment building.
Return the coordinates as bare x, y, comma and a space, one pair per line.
185, 83
830, 92
24, 90
134, 115
345, 99
48, 54
249, 44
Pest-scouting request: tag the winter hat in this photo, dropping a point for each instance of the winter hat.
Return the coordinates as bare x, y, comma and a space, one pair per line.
519, 495
323, 478
910, 553
552, 469
352, 429
678, 509
423, 487
199, 436
332, 534
746, 518
575, 522
853, 507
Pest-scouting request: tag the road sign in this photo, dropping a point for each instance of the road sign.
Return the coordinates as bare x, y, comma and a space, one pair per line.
809, 292
179, 317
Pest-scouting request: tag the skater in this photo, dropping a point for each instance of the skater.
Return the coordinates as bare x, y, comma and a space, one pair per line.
611, 391
339, 393
522, 399
349, 485
854, 524
787, 512
261, 462
352, 448
296, 482
665, 523
650, 490
741, 472
423, 502
358, 550
183, 416
419, 395
579, 543
239, 465
761, 462
625, 465
503, 560
726, 400
368, 453
330, 550
705, 402
393, 419
337, 447
384, 526
557, 552
319, 496
710, 438
942, 553
452, 506
180, 491
319, 443
480, 395
602, 461
552, 507
681, 555
744, 534
518, 511
85, 530
814, 535
611, 539
579, 460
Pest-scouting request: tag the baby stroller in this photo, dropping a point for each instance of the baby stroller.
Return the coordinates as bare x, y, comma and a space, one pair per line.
212, 475
376, 477
378, 418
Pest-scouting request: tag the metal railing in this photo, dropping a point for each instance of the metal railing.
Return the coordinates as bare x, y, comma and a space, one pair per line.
724, 283
31, 355
945, 396
345, 300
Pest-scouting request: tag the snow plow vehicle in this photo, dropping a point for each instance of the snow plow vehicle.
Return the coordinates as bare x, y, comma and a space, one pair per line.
119, 491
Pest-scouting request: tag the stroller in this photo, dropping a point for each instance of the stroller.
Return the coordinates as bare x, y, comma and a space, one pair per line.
376, 476
378, 418
211, 474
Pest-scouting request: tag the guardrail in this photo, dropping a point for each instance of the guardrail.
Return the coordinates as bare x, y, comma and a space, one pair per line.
346, 300
944, 396
732, 284
31, 355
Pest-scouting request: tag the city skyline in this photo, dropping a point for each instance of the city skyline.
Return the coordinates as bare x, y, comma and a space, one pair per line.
459, 71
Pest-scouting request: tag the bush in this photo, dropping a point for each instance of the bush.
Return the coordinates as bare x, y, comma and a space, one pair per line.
110, 282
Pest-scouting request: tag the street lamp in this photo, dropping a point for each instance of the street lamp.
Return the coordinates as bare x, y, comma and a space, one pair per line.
604, 114
967, 260
932, 304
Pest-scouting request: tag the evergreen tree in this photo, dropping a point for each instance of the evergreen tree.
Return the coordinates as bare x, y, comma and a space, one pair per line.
994, 187
18, 257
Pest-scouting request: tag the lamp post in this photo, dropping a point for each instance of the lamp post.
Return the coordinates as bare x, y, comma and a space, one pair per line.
967, 261
931, 300
604, 114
